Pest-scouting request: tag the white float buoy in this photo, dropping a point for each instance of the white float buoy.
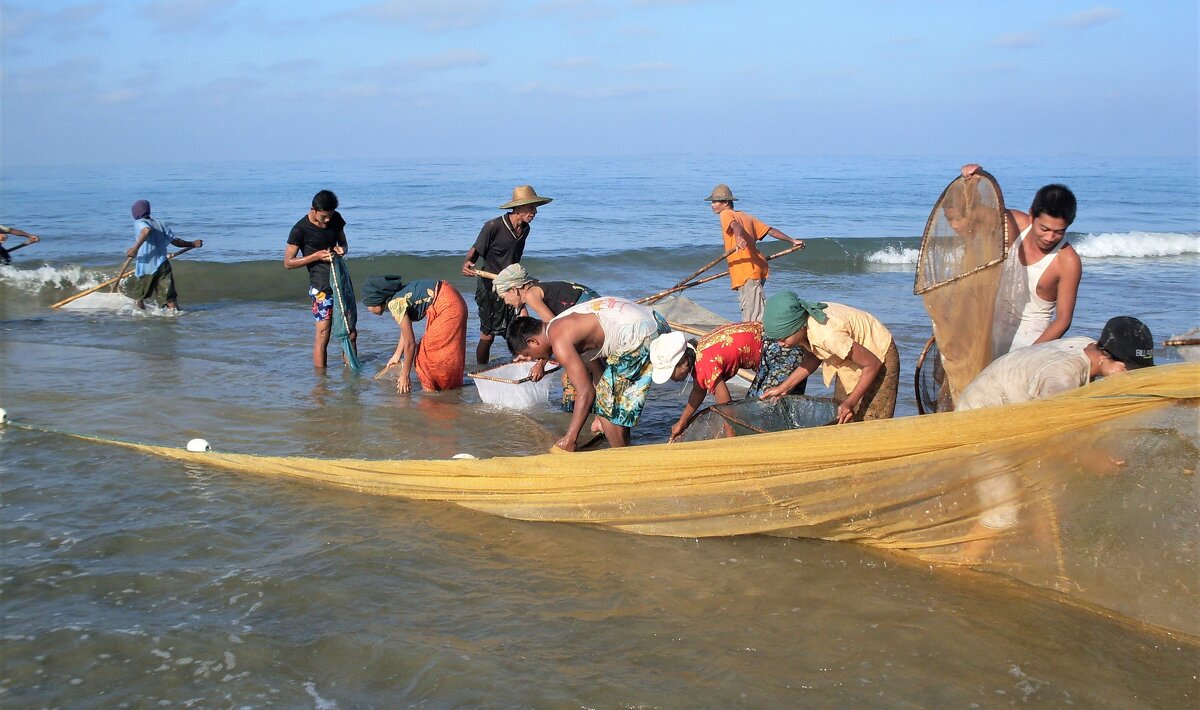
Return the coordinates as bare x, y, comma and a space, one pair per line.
3, 416
463, 456
198, 445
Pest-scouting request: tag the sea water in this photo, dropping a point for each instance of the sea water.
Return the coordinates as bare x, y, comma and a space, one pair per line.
133, 581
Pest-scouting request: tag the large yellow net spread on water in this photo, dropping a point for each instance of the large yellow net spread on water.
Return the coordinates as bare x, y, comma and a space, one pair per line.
1091, 493
958, 274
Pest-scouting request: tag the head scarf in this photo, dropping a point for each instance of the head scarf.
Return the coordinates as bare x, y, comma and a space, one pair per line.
379, 289
140, 209
510, 277
785, 313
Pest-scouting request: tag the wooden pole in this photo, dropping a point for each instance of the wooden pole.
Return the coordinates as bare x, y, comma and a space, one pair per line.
675, 289
120, 275
120, 271
1181, 342
699, 271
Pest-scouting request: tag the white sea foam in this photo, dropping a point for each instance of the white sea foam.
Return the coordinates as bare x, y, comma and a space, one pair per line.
1133, 245
894, 255
33, 280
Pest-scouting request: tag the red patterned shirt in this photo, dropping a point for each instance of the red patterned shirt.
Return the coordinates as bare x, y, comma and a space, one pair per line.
721, 353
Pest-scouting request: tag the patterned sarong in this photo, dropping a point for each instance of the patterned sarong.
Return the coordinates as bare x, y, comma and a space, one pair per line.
442, 355
625, 382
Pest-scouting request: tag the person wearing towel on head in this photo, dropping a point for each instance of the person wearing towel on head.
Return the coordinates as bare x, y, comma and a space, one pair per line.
847, 343
441, 356
541, 299
152, 276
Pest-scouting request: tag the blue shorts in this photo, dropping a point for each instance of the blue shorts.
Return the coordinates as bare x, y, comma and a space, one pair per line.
322, 304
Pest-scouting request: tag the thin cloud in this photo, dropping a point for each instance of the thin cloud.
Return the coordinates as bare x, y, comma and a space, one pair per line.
1088, 18
187, 16
119, 96
452, 59
1019, 40
651, 67
68, 23
597, 93
572, 63
574, 11
440, 16
70, 76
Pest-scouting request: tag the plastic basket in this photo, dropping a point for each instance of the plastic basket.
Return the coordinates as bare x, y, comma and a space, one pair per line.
508, 386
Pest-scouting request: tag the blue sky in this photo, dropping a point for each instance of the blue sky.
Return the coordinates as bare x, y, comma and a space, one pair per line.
182, 80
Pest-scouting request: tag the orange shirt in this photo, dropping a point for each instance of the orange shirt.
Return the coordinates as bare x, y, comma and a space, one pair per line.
745, 263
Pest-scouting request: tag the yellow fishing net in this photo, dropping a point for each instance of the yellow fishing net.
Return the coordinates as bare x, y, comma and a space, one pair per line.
958, 274
1092, 493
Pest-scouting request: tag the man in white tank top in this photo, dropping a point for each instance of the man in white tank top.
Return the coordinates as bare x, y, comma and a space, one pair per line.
1036, 298
609, 331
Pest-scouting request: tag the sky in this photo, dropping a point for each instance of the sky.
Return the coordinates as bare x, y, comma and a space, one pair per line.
215, 80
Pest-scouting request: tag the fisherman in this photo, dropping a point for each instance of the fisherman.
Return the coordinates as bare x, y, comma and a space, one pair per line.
312, 243
1061, 365
441, 356
711, 362
1039, 371
501, 242
543, 299
1035, 302
747, 267
617, 330
847, 343
152, 275
5, 259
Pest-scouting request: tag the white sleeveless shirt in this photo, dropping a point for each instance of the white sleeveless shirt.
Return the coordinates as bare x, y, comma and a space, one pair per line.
1021, 314
627, 325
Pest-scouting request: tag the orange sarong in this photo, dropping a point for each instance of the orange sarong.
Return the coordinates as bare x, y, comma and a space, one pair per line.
442, 354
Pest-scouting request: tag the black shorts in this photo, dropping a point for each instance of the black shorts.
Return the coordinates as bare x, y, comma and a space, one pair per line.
494, 313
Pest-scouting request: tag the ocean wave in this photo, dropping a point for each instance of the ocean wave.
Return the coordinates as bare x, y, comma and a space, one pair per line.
1134, 245
34, 280
894, 255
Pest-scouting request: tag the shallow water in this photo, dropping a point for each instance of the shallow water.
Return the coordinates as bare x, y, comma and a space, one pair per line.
134, 581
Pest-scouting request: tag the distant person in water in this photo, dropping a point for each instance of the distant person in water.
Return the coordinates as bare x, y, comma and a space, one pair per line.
152, 276
848, 344
312, 243
501, 242
619, 333
544, 300
5, 259
440, 357
748, 268
1035, 302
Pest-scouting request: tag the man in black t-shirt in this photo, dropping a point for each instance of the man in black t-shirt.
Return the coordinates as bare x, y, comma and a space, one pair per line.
500, 243
312, 243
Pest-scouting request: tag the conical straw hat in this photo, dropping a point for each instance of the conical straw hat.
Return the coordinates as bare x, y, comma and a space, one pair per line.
721, 193
524, 195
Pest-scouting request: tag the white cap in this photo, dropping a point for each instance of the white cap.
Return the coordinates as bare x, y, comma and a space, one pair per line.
665, 351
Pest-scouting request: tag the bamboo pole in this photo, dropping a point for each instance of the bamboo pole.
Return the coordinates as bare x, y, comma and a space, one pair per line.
699, 271
675, 289
120, 271
1181, 342
120, 275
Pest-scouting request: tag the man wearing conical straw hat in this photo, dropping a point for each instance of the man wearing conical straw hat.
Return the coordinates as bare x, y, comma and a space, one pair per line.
500, 243
747, 266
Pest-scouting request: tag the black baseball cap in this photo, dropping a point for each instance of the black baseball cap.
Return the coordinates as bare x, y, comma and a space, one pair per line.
1127, 340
